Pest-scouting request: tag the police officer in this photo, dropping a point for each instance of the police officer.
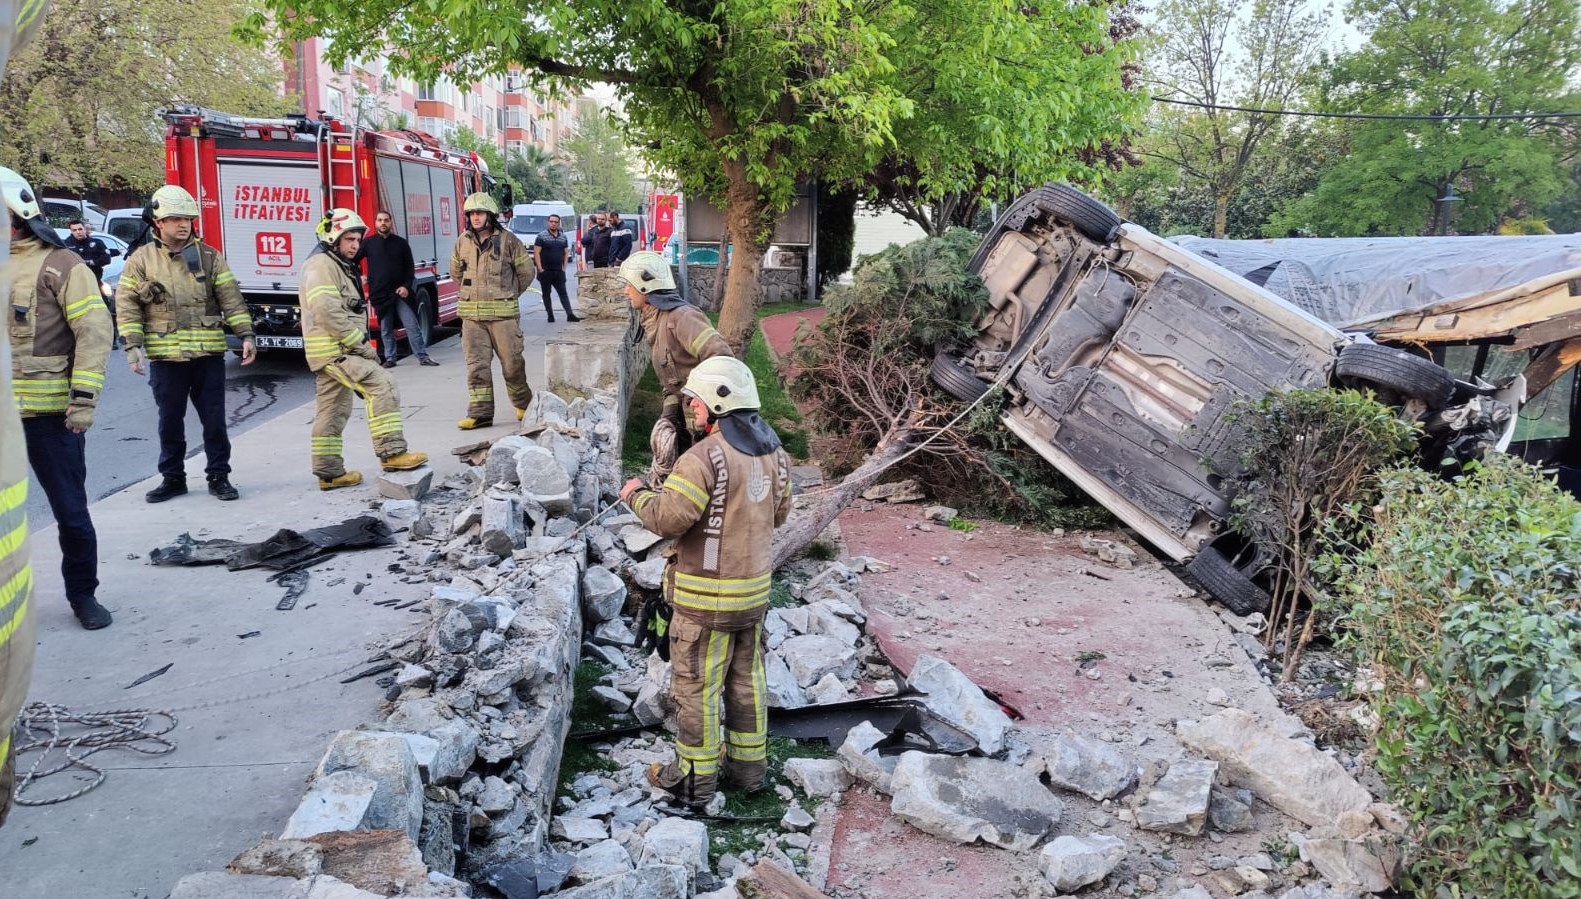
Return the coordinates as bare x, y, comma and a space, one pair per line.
679, 337
19, 19
334, 325
60, 338
721, 505
177, 294
492, 268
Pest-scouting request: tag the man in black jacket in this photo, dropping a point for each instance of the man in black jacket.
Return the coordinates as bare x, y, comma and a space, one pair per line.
92, 250
621, 238
391, 272
595, 243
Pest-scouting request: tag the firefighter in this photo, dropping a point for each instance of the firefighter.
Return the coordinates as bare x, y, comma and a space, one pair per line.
721, 505
60, 339
493, 269
177, 294
679, 337
334, 327
18, 22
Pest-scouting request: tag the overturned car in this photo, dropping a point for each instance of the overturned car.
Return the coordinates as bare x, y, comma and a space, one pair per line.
1122, 355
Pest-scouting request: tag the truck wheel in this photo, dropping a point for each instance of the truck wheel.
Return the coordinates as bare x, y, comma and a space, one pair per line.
1396, 372
427, 313
956, 379
1229, 585
1089, 216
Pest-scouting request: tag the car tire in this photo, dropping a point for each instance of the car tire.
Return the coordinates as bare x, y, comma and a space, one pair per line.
1229, 585
426, 314
1389, 370
1089, 216
956, 379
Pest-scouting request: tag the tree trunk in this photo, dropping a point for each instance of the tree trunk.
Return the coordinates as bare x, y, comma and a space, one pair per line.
1221, 213
721, 271
805, 524
745, 222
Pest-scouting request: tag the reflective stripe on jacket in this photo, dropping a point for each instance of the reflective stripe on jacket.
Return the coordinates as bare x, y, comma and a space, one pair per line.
333, 325
721, 506
60, 330
174, 313
16, 578
490, 275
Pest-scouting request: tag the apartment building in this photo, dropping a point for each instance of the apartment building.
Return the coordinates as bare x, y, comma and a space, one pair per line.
503, 110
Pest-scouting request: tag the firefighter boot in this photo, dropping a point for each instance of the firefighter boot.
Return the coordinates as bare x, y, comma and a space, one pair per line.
404, 461
349, 479
469, 423
521, 414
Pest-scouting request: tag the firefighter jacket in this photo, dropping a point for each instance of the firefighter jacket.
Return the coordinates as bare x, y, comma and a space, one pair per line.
491, 274
721, 506
333, 321
680, 338
60, 333
16, 578
174, 305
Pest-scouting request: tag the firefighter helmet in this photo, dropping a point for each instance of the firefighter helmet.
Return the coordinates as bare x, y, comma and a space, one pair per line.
481, 202
337, 223
23, 203
647, 271
172, 201
724, 384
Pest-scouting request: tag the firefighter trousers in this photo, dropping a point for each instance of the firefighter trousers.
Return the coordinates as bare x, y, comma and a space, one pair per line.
481, 341
716, 680
337, 381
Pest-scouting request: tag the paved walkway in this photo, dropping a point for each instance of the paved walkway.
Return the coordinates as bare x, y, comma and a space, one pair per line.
240, 764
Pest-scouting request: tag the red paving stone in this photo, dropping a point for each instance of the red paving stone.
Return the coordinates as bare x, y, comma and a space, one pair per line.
780, 333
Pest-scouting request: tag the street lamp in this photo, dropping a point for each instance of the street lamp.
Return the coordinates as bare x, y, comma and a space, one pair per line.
1443, 207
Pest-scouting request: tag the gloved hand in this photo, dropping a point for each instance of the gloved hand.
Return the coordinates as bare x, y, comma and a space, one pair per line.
79, 418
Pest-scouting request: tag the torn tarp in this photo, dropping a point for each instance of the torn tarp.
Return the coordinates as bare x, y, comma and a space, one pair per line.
286, 549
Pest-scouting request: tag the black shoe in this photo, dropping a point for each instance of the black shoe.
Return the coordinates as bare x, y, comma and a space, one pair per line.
388, 363
169, 488
572, 318
551, 318
221, 487
91, 615
424, 360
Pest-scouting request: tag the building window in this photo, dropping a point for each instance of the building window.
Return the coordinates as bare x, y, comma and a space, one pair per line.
426, 92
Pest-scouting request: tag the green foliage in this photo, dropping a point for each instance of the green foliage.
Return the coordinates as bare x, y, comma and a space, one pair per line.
925, 283
600, 172
748, 837
538, 175
1467, 607
1438, 57
1309, 461
836, 235
79, 106
587, 714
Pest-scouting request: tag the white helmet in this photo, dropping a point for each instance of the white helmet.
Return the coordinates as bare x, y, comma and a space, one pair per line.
724, 384
647, 271
337, 223
23, 203
173, 201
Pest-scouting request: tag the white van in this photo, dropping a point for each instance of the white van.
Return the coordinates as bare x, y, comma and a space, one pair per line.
527, 219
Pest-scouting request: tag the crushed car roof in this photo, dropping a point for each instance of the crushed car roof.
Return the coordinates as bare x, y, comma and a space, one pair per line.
1353, 281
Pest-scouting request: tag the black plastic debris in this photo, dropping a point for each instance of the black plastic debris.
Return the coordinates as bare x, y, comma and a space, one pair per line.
286, 549
530, 876
295, 584
150, 676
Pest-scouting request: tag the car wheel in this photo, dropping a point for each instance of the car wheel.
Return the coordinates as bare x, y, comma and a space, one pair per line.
1229, 585
1089, 216
1396, 372
426, 315
956, 379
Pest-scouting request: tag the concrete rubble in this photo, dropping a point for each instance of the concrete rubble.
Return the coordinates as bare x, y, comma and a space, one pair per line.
1071, 863
970, 799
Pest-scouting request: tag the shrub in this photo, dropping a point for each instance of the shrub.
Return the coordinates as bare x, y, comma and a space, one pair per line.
1466, 607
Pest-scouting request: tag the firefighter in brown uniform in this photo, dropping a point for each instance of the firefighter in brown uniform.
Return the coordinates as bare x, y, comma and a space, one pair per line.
334, 325
18, 22
492, 268
175, 297
679, 336
721, 505
59, 338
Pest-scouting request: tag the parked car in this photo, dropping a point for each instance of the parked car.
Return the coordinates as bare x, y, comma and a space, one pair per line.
125, 223
60, 210
1122, 355
119, 250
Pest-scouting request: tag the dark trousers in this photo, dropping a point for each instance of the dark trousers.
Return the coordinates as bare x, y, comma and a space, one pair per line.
201, 380
59, 460
549, 281
395, 311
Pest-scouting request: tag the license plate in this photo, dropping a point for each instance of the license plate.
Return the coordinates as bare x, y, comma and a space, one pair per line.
279, 343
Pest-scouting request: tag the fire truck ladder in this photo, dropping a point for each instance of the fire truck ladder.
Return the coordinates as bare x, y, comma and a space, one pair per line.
340, 167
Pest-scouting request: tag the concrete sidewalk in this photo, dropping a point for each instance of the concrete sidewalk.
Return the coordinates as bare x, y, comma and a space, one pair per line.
240, 763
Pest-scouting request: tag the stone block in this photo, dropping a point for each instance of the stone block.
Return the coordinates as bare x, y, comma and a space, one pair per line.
385, 862
225, 885
1070, 862
399, 514
818, 778
647, 882
863, 761
676, 841
385, 759
1090, 767
953, 697
337, 801
810, 657
504, 527
1178, 803
279, 858
500, 468
601, 860
411, 485
603, 594
970, 799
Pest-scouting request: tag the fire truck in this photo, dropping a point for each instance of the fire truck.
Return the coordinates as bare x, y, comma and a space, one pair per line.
263, 185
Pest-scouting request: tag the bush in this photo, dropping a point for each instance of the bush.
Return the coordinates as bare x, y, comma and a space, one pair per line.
1466, 607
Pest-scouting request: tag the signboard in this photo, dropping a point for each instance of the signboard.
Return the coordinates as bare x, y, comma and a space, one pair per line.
664, 206
268, 212
705, 223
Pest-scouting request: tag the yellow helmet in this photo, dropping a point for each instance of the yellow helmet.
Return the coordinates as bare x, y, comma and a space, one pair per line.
481, 202
20, 200
647, 271
337, 223
173, 201
724, 384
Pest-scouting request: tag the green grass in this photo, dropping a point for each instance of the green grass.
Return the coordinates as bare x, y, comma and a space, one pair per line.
587, 713
737, 838
769, 309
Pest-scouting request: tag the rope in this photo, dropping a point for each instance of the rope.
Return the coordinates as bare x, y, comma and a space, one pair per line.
45, 728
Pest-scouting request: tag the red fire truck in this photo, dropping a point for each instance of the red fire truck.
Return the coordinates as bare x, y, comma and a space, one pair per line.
262, 186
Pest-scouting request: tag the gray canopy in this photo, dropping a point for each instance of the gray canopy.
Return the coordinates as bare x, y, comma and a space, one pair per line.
1349, 280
